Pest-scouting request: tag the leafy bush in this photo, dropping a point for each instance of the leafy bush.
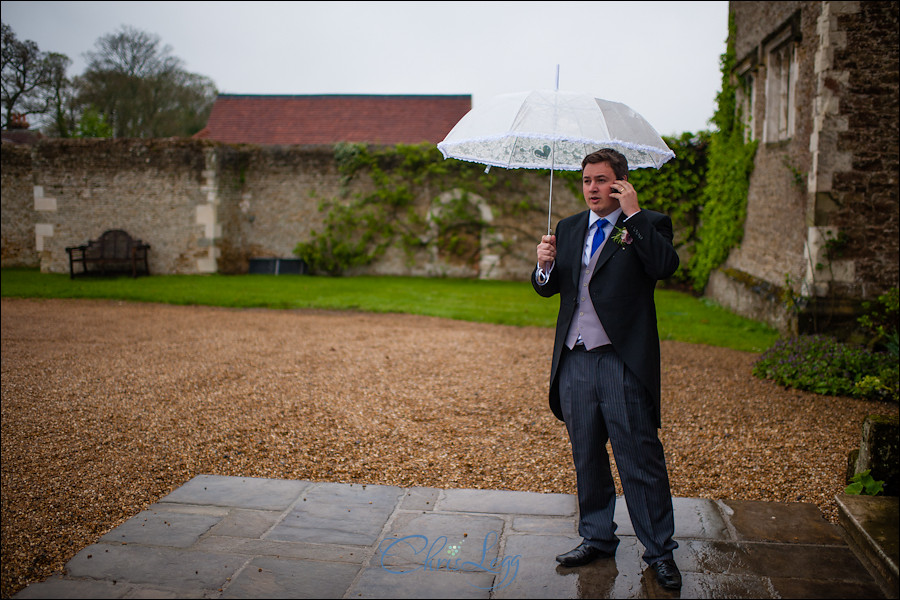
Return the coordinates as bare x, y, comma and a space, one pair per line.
823, 365
880, 322
882, 386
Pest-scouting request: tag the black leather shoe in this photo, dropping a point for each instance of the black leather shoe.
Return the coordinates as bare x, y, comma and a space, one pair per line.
582, 555
667, 574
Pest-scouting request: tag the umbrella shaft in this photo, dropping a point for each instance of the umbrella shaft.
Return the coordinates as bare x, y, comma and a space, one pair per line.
550, 203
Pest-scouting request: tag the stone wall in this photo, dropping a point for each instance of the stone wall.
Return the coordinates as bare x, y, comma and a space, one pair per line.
206, 207
775, 227
863, 198
18, 235
822, 211
151, 189
269, 200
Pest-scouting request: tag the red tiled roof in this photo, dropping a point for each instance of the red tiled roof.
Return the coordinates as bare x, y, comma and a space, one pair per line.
328, 119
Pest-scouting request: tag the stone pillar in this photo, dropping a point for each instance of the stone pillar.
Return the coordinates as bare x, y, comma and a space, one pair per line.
43, 206
208, 216
827, 159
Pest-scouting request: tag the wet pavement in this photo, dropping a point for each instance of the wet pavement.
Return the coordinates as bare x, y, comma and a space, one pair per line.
235, 537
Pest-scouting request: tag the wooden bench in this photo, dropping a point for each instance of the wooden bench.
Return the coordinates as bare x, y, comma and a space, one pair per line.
114, 252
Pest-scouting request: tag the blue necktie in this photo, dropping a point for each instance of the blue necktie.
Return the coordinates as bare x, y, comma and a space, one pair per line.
598, 235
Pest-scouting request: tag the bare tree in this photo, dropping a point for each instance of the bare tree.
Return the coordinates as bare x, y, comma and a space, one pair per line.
133, 53
27, 75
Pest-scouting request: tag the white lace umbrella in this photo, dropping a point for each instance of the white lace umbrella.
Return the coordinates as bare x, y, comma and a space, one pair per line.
545, 129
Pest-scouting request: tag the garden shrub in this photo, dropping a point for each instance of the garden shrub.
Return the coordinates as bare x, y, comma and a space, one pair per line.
823, 365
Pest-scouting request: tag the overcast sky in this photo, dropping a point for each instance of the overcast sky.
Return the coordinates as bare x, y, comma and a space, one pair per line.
660, 58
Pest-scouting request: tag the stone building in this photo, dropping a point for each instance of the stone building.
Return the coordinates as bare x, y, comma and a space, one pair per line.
818, 90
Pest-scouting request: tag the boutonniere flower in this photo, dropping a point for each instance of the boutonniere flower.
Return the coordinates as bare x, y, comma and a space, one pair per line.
621, 236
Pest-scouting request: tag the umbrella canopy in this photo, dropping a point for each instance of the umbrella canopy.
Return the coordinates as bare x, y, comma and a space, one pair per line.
545, 129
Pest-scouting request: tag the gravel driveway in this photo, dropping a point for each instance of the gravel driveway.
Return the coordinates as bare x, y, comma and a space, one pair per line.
107, 406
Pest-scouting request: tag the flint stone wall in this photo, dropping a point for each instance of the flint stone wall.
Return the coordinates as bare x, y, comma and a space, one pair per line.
17, 237
206, 207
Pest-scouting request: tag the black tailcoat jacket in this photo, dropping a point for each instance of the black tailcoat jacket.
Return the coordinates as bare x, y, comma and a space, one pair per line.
621, 289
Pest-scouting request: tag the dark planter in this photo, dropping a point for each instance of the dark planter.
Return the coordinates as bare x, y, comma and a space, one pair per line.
277, 266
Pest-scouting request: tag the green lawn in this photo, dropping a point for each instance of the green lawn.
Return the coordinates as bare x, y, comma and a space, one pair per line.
682, 317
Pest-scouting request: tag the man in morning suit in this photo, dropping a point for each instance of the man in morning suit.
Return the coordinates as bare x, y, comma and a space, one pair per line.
605, 375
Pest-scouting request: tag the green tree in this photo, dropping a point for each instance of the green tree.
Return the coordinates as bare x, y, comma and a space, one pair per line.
92, 124
62, 106
141, 89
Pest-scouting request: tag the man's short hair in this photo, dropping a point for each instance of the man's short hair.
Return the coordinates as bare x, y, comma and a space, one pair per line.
616, 160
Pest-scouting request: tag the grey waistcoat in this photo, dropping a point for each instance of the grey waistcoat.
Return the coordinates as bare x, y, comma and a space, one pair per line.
586, 323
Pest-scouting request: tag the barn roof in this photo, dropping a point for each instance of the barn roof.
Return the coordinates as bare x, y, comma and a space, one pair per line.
328, 119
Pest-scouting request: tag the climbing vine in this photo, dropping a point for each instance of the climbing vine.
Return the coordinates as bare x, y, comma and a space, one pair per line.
730, 163
358, 230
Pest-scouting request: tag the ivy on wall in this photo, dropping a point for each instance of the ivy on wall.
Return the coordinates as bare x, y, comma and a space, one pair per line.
358, 230
730, 163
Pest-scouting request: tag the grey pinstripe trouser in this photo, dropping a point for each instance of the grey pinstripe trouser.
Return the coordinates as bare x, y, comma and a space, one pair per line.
602, 400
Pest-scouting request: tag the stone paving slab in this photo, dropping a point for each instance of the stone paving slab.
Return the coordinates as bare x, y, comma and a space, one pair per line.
502, 502
335, 513
439, 540
238, 537
264, 494
267, 577
775, 522
378, 583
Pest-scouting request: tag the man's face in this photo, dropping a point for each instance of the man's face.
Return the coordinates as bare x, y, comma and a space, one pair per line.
595, 183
